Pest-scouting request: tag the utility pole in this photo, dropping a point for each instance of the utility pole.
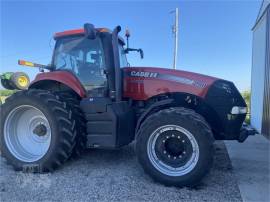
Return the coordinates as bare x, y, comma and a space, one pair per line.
175, 32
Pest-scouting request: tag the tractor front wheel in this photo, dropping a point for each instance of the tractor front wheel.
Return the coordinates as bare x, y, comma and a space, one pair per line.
175, 147
37, 131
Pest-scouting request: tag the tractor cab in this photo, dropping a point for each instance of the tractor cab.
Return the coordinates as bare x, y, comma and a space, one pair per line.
84, 58
94, 56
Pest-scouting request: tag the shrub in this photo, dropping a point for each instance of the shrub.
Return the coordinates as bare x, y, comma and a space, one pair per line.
6, 92
246, 96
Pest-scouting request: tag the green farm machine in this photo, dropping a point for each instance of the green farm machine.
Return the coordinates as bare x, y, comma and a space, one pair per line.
15, 80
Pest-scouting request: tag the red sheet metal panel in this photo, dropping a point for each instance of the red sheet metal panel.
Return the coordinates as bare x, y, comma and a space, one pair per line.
142, 83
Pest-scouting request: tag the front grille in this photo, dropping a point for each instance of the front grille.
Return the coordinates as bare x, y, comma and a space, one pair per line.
222, 96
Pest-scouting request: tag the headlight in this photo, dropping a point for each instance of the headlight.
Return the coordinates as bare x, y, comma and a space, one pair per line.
239, 110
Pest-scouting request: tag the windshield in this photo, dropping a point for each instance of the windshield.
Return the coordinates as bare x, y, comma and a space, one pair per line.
84, 57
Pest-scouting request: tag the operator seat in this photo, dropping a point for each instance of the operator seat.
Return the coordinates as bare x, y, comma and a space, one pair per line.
91, 76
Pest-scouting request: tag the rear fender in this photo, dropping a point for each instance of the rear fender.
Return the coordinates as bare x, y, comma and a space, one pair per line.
50, 79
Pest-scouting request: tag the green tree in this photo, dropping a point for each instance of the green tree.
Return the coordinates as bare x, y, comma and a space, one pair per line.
246, 96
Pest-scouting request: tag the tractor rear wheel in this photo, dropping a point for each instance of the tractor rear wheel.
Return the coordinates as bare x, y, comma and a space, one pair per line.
74, 104
37, 131
175, 147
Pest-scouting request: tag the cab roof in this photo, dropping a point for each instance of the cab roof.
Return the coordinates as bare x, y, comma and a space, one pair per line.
77, 32
80, 31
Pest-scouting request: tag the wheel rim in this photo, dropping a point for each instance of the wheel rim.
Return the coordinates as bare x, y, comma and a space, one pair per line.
173, 150
23, 81
27, 133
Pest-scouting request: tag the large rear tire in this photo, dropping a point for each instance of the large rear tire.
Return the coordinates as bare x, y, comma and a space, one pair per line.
175, 147
74, 104
37, 131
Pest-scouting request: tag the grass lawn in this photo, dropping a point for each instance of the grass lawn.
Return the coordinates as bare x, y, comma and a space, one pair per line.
2, 98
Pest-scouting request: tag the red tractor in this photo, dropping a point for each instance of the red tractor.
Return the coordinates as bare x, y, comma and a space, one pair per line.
90, 97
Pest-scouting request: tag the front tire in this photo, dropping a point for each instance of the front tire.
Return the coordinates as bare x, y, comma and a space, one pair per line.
175, 147
37, 131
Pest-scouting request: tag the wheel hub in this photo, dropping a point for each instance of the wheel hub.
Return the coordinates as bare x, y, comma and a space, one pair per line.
40, 130
23, 81
174, 146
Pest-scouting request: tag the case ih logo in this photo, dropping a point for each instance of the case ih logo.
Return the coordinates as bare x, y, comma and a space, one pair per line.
168, 77
144, 74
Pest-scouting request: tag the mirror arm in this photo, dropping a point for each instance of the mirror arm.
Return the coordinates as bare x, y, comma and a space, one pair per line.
127, 50
131, 49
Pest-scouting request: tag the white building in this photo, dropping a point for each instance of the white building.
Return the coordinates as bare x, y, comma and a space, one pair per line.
260, 74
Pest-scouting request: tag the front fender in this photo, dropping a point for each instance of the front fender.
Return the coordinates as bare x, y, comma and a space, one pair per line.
63, 77
153, 107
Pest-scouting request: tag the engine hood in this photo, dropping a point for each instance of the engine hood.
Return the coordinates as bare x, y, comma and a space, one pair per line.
142, 83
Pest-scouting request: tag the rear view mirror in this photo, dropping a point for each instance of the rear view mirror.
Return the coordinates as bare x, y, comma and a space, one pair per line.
127, 50
141, 53
90, 31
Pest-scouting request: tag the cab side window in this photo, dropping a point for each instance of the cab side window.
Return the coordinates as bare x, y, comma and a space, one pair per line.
122, 57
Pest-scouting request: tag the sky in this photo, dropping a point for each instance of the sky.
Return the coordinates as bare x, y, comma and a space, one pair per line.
215, 37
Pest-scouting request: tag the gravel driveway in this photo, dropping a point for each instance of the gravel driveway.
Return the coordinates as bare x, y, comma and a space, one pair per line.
102, 175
